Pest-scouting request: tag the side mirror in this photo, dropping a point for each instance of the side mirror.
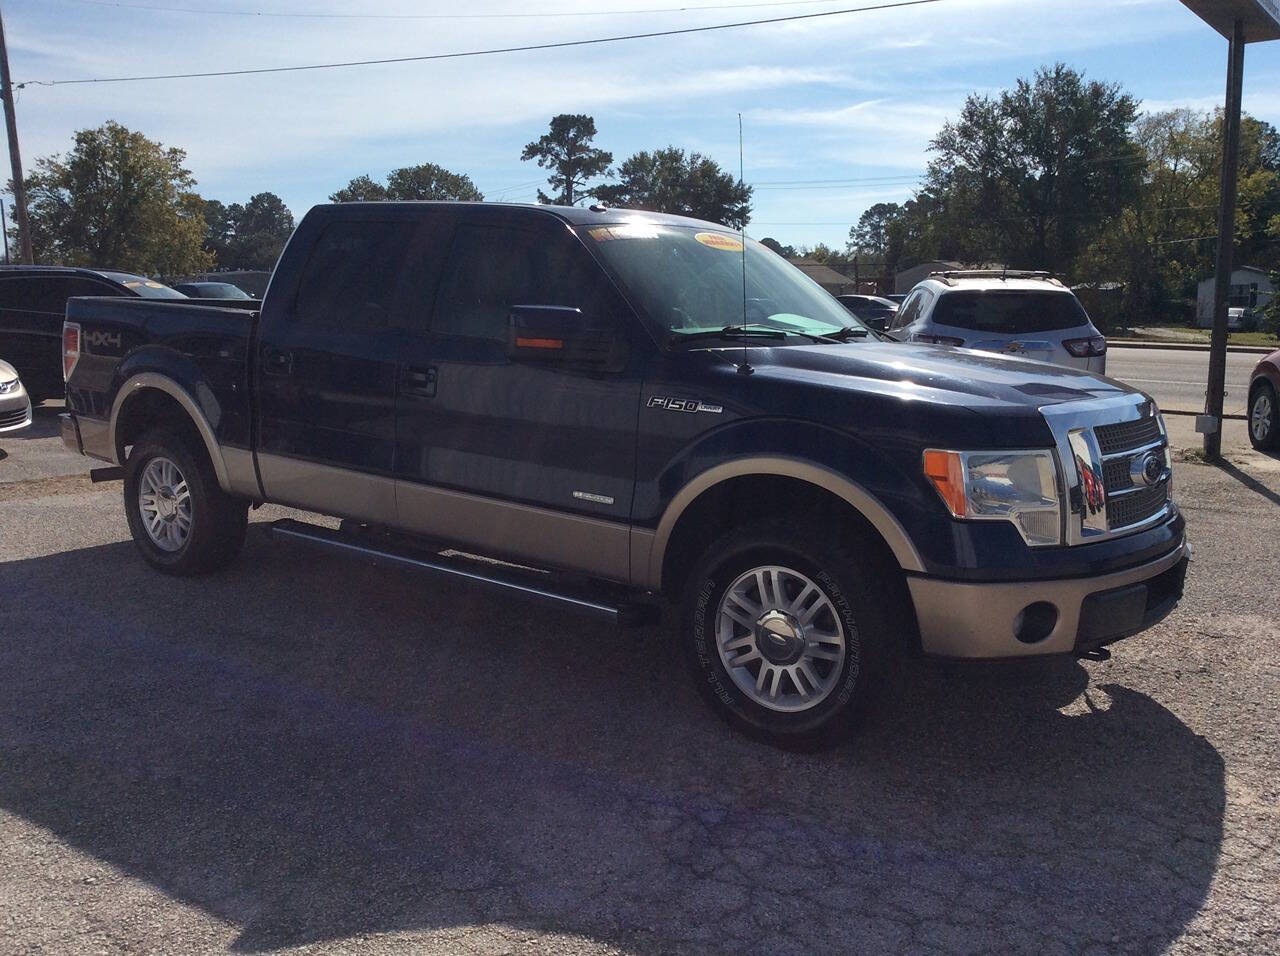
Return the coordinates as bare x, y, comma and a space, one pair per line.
879, 324
563, 335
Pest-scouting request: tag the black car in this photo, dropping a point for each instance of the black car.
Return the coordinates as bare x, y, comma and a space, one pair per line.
33, 300
211, 290
875, 311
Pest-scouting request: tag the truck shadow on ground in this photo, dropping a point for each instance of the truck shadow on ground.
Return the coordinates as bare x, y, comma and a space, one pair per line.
310, 750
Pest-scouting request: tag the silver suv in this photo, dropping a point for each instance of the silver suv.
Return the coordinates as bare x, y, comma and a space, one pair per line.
1029, 314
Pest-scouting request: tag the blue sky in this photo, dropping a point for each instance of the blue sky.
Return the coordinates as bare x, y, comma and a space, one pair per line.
854, 98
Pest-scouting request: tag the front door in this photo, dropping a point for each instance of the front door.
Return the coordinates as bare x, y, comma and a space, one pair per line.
327, 362
528, 461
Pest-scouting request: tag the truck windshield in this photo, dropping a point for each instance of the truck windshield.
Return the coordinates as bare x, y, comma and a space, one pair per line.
690, 280
1011, 312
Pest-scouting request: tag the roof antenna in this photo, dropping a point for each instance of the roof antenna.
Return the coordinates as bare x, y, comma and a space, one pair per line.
745, 368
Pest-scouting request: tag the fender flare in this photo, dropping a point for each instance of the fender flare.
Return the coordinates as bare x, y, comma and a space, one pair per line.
163, 383
857, 497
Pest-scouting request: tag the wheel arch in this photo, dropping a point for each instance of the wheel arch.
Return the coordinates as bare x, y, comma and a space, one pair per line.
148, 398
681, 526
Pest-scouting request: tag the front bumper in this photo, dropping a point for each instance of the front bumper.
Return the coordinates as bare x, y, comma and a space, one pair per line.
15, 410
1013, 619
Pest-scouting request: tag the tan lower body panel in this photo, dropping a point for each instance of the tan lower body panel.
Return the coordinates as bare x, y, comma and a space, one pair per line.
541, 536
962, 619
333, 491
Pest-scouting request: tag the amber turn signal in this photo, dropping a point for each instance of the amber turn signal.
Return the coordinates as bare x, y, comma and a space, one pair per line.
946, 470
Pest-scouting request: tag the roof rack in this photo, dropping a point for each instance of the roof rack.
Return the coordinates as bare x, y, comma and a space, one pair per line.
950, 275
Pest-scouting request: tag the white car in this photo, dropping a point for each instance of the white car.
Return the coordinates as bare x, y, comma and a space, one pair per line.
15, 404
1028, 314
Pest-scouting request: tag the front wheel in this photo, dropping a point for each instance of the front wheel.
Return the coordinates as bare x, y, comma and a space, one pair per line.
1264, 429
784, 627
181, 521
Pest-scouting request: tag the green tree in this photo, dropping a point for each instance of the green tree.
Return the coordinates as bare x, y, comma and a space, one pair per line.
1271, 314
424, 181
787, 252
668, 180
871, 236
567, 150
361, 189
429, 181
117, 200
248, 236
1035, 175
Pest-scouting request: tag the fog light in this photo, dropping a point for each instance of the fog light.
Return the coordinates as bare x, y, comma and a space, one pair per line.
1035, 622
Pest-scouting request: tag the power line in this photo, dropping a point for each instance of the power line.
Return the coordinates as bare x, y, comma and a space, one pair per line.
449, 16
512, 49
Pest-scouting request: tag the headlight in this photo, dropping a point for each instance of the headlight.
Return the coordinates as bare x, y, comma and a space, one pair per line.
1016, 486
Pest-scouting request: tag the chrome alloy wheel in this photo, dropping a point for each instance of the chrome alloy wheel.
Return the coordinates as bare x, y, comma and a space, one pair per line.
164, 501
780, 638
1260, 416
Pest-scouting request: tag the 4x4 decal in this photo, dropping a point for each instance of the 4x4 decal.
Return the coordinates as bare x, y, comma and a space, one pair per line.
683, 405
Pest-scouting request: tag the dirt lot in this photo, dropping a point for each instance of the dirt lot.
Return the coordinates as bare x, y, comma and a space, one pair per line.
304, 752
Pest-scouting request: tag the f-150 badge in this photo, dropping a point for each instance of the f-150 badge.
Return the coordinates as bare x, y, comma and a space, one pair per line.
683, 405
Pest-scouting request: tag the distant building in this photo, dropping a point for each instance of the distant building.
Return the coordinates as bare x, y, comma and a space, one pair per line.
1251, 288
906, 280
834, 282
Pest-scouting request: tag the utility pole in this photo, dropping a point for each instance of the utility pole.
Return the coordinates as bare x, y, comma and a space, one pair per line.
4, 231
15, 157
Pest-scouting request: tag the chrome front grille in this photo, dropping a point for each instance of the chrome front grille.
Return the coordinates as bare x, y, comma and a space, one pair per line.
1131, 509
1123, 436
1115, 460
15, 417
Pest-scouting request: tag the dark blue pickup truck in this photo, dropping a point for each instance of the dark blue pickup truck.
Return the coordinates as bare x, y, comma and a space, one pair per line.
616, 409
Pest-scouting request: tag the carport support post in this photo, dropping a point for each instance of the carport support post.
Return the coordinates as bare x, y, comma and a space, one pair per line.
1226, 243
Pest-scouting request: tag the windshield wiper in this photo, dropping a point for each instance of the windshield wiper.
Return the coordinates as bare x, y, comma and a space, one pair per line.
729, 332
849, 332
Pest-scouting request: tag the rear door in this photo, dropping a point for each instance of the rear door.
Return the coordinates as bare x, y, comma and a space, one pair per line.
522, 460
326, 363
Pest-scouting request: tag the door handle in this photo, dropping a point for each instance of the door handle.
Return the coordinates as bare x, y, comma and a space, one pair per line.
420, 382
276, 361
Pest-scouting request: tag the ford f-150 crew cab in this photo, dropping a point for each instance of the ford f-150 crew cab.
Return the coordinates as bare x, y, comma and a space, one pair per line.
616, 409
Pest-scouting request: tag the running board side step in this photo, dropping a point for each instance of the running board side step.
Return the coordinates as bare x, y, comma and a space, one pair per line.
528, 583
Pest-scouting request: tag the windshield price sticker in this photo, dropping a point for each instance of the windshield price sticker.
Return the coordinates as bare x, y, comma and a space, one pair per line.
716, 240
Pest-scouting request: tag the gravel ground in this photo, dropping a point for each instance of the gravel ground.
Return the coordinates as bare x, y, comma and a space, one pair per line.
306, 754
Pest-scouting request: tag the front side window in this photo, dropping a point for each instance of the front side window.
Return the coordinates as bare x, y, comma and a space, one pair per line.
691, 280
492, 268
350, 279
909, 312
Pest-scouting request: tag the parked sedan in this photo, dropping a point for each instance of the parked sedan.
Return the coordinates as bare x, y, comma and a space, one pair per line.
15, 404
873, 310
211, 290
1264, 389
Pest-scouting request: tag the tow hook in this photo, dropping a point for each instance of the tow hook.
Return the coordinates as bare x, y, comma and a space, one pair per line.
1095, 654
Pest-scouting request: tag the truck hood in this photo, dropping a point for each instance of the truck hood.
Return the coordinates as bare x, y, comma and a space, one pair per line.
937, 373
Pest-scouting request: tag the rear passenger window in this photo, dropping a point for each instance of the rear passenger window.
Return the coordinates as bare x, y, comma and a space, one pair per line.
350, 280
492, 268
48, 293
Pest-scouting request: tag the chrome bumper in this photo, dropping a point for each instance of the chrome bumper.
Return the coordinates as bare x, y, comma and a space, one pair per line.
981, 620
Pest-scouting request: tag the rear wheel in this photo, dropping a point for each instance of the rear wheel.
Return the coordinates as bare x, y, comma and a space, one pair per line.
783, 629
1264, 429
181, 521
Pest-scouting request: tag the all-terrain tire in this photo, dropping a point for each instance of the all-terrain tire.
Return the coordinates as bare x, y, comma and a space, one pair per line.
182, 522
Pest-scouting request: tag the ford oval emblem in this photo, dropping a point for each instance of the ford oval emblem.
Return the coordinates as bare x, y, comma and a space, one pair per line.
1147, 469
